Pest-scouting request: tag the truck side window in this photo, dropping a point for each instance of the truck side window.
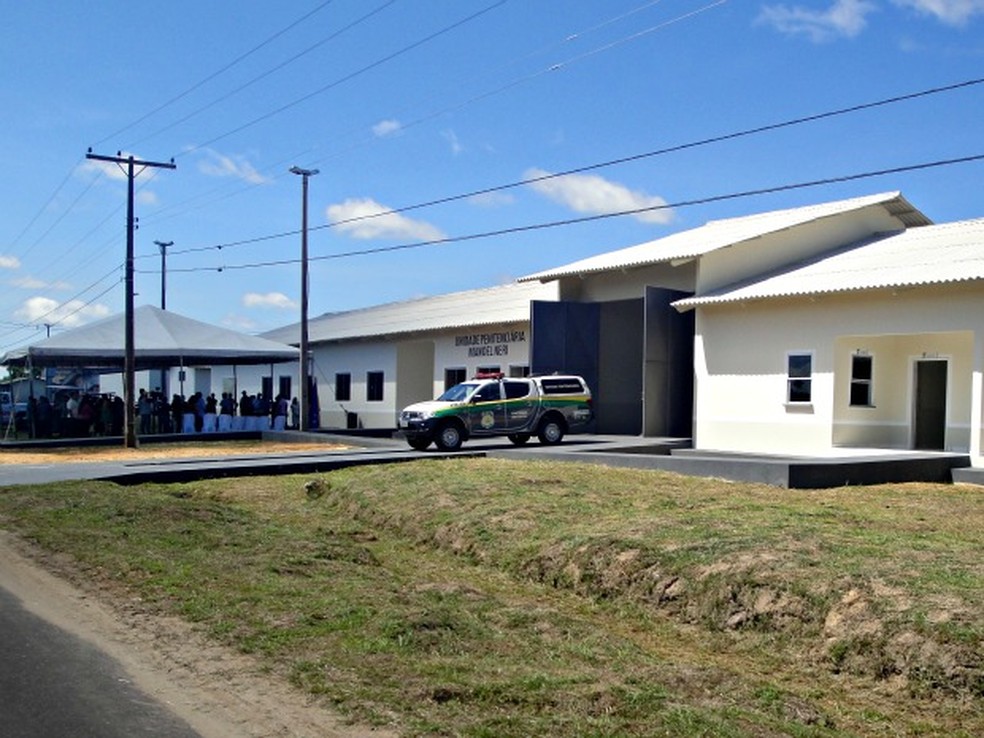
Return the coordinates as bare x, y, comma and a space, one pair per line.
516, 389
488, 393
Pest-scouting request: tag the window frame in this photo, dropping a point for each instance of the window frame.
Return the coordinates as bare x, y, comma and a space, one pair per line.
796, 378
450, 376
373, 378
867, 383
345, 396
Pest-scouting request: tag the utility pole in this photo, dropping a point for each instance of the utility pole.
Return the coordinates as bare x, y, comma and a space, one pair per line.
129, 360
304, 399
163, 247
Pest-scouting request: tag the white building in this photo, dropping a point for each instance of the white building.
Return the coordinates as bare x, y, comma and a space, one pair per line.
370, 363
854, 323
878, 344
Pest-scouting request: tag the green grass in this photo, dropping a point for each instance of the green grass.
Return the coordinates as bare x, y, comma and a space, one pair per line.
491, 598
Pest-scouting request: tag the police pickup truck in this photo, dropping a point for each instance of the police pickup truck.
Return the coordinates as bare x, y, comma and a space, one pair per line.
546, 406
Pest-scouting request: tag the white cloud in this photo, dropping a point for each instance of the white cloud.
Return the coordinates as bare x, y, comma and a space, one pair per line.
68, 314
386, 128
109, 169
452, 138
9, 262
370, 220
225, 165
269, 300
951, 12
588, 193
146, 197
492, 199
33, 283
845, 18
239, 323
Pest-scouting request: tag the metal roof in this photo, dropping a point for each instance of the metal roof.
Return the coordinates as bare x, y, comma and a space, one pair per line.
717, 234
161, 338
947, 253
490, 306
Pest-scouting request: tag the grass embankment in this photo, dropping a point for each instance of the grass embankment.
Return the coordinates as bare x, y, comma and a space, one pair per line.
493, 598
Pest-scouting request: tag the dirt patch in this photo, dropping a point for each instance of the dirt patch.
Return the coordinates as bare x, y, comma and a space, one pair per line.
161, 451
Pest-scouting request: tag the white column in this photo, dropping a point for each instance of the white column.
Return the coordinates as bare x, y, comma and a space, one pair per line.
977, 400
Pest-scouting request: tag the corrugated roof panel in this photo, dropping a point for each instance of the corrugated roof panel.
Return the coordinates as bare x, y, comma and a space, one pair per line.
718, 234
952, 252
494, 305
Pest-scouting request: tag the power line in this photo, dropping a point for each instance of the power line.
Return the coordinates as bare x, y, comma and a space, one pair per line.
215, 74
669, 150
609, 163
41, 318
489, 93
602, 216
267, 73
348, 77
44, 207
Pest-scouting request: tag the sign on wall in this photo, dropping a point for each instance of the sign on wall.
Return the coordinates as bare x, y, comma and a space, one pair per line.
493, 343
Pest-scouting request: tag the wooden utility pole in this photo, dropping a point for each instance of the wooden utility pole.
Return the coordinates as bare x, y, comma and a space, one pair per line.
129, 360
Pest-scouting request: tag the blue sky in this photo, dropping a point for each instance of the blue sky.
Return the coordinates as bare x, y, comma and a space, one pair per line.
400, 103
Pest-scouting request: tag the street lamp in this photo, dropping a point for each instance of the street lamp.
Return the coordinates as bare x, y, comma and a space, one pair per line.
304, 399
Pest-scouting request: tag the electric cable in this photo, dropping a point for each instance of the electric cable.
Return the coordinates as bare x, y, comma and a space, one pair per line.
443, 111
215, 74
597, 217
346, 78
267, 73
77, 296
607, 163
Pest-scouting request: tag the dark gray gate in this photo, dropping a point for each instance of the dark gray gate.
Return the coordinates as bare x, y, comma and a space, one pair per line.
930, 411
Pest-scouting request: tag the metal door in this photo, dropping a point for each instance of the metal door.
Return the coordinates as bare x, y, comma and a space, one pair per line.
930, 405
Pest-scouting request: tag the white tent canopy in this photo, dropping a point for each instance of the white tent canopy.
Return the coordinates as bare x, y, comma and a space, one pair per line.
161, 339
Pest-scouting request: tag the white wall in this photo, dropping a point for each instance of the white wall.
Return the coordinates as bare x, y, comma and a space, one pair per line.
356, 358
629, 284
740, 368
763, 255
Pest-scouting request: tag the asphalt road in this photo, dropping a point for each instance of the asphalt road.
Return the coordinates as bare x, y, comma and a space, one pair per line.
55, 684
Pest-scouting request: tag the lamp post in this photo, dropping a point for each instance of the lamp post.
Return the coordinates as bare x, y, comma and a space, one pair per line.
303, 396
162, 245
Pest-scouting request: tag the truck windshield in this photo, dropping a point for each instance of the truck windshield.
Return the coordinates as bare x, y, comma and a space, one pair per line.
458, 393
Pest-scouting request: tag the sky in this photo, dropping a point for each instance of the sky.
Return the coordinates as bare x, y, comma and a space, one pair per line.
459, 144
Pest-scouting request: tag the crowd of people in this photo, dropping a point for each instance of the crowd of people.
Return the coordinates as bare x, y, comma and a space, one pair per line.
77, 414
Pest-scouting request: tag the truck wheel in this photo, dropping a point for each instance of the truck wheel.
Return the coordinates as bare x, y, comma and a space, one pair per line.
519, 438
551, 431
420, 444
449, 437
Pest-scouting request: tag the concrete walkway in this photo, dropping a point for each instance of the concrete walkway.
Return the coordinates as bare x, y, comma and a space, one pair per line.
839, 468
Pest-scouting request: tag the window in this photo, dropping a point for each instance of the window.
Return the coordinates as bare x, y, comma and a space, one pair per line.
343, 387
488, 393
374, 386
516, 389
861, 374
453, 377
519, 370
799, 373
562, 386
284, 386
266, 387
